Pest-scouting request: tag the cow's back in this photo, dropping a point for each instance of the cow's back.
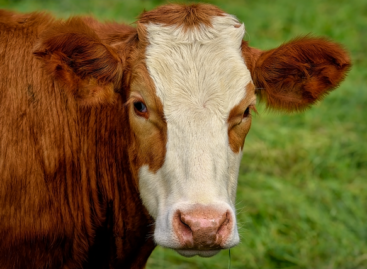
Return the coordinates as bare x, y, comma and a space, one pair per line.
29, 143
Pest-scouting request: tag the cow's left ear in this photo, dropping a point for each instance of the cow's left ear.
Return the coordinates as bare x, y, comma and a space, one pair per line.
80, 62
297, 74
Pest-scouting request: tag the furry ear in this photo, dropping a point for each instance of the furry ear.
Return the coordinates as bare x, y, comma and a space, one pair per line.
80, 62
295, 75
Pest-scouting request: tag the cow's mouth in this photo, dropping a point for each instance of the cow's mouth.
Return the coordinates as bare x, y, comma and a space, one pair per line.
201, 253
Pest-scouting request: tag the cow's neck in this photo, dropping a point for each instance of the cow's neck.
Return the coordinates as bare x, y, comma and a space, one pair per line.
123, 236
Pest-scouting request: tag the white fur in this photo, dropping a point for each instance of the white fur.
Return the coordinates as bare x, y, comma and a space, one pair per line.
199, 76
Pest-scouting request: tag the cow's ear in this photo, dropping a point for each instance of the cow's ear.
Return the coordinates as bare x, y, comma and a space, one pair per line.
298, 73
80, 62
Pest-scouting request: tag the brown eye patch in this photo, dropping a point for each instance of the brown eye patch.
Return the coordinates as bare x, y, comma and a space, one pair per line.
238, 113
237, 126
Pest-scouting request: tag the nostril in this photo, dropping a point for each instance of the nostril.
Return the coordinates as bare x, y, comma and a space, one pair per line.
225, 225
183, 227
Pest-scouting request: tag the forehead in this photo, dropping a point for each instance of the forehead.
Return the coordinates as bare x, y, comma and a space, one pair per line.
198, 68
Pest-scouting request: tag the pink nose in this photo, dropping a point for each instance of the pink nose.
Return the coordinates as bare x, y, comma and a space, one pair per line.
203, 228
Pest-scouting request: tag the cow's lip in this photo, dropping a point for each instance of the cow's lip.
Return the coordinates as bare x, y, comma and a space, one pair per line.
194, 252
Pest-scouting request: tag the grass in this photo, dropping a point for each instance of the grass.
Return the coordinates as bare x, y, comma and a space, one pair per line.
302, 193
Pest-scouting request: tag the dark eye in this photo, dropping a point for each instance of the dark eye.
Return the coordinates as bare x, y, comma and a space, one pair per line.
246, 113
141, 109
140, 106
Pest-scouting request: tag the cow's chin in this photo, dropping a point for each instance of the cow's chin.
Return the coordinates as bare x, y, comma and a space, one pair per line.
201, 253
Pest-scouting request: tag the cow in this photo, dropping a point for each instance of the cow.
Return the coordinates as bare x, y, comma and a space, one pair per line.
114, 138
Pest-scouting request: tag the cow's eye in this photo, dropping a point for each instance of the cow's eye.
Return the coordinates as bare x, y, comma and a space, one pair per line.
246, 113
140, 108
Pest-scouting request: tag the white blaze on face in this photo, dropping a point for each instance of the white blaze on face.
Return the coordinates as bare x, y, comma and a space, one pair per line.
199, 75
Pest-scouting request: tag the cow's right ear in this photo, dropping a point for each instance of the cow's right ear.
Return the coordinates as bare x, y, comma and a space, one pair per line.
80, 62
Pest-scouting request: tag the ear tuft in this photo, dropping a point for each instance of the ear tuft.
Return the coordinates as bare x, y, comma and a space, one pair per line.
79, 61
299, 73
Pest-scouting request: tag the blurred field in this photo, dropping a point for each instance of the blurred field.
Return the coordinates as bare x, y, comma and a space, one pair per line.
302, 194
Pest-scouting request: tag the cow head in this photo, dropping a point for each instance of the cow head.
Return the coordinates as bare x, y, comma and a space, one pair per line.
190, 84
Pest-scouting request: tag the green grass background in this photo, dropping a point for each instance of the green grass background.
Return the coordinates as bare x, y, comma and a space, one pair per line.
302, 192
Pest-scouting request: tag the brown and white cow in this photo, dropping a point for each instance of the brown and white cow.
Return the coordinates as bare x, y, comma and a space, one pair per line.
106, 129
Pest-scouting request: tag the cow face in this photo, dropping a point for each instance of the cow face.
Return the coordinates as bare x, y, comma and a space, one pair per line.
189, 81
202, 112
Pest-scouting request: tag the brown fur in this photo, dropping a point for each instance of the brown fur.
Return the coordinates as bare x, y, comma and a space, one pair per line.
71, 144
86, 66
188, 16
67, 198
298, 73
